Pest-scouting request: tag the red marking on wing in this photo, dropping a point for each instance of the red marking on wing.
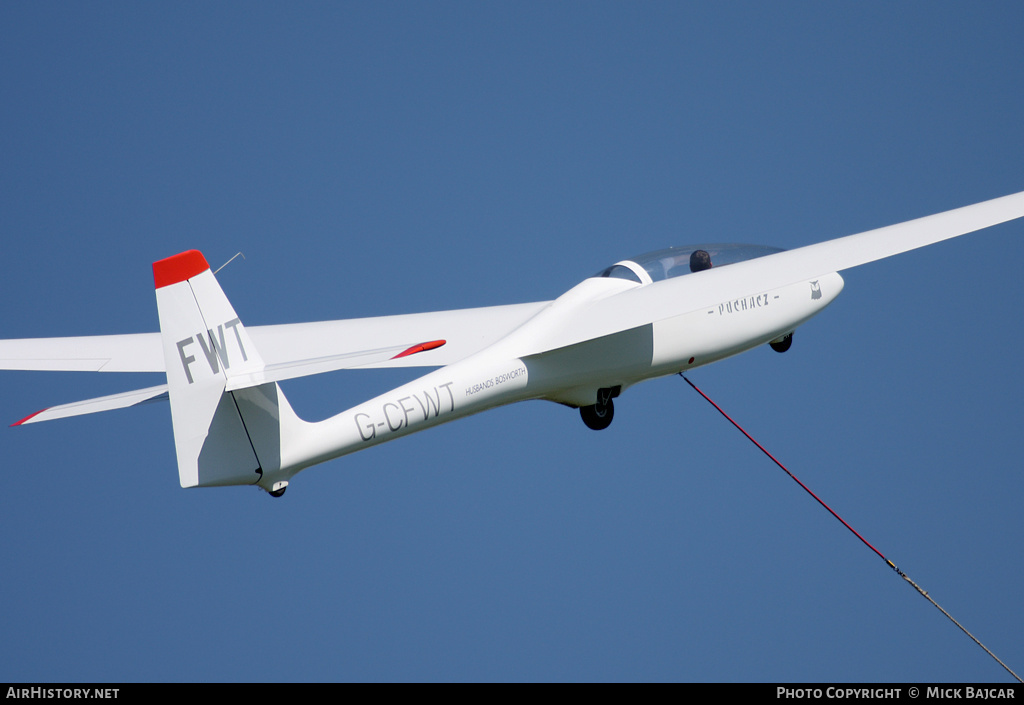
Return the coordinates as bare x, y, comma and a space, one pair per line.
27, 418
422, 347
178, 268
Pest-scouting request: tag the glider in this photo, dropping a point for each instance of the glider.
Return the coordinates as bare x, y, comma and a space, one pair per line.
654, 315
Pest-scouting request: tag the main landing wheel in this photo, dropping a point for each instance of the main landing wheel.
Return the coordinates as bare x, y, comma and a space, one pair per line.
598, 416
782, 344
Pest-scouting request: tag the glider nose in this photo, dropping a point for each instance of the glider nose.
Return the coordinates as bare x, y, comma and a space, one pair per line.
825, 289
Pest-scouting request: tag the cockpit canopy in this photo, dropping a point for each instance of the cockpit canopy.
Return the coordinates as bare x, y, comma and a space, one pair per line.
675, 261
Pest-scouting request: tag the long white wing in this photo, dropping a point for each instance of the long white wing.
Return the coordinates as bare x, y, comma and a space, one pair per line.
351, 342
470, 330
464, 331
92, 406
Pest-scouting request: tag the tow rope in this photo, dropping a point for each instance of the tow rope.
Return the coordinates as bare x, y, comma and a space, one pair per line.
889, 563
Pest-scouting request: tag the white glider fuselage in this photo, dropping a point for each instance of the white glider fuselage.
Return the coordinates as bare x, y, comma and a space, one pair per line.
513, 370
661, 313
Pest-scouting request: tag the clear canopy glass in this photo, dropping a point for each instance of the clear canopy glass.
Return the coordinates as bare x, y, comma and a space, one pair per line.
675, 261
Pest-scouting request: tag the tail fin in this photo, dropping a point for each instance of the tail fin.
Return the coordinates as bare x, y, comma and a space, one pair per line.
220, 437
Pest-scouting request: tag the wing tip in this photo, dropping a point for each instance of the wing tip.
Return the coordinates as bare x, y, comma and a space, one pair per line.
27, 418
178, 268
420, 347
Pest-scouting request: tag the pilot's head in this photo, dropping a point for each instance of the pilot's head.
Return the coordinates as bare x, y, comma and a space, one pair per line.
699, 261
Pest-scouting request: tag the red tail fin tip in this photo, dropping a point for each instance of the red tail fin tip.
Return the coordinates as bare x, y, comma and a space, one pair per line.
178, 268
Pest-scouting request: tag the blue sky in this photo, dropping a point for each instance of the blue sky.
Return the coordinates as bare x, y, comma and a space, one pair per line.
379, 158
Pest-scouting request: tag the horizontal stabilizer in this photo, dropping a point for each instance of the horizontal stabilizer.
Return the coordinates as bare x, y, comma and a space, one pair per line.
92, 406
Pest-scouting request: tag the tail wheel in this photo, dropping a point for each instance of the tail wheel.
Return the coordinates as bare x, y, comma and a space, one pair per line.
598, 416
